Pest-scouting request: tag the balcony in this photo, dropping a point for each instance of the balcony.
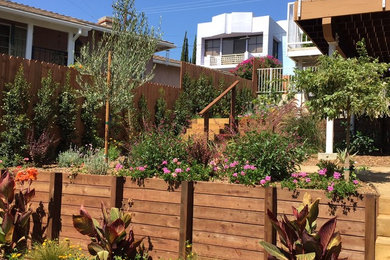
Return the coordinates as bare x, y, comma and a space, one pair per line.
225, 60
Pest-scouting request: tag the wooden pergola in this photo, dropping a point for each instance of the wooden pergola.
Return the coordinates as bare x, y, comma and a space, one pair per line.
345, 22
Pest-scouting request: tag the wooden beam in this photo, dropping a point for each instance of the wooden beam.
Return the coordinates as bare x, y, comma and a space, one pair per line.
55, 198
370, 229
327, 29
207, 108
315, 9
186, 218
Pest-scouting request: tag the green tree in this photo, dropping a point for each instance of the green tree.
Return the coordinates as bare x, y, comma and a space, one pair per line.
67, 113
346, 86
193, 60
14, 120
132, 44
184, 49
45, 109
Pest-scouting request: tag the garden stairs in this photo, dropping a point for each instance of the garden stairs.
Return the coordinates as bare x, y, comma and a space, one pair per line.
217, 128
382, 247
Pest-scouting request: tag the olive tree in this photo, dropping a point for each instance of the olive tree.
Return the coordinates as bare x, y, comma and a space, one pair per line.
343, 87
131, 44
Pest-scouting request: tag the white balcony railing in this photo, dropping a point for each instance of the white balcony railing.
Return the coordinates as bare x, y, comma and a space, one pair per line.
229, 59
271, 80
296, 38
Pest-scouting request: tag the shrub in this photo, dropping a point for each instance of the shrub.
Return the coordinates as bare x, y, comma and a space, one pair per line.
360, 144
94, 163
46, 106
200, 151
14, 119
39, 148
299, 238
244, 69
154, 147
53, 250
275, 155
88, 115
161, 115
70, 158
113, 152
67, 114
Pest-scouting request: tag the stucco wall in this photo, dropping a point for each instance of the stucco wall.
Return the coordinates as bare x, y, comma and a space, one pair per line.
165, 74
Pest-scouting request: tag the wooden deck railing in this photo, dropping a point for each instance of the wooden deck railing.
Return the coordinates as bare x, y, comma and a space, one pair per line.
232, 121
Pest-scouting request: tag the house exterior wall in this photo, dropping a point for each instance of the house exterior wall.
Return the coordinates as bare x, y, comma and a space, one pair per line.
239, 24
165, 74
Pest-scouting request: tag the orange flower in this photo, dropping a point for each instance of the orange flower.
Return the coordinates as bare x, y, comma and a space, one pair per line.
25, 175
32, 173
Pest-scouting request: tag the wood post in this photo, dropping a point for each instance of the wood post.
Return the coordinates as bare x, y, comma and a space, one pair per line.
186, 218
206, 125
270, 201
370, 226
54, 215
117, 192
232, 116
106, 127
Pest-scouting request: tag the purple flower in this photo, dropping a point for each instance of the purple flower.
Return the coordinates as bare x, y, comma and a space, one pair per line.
118, 166
268, 178
356, 182
262, 182
226, 160
308, 180
322, 171
235, 174
330, 188
336, 175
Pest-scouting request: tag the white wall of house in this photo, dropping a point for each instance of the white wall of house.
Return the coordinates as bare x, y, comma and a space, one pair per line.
239, 24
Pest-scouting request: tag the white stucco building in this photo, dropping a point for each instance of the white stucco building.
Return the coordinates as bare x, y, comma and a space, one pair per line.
231, 38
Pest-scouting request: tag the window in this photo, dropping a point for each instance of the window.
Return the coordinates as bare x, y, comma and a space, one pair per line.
233, 45
5, 38
212, 47
275, 49
13, 40
255, 44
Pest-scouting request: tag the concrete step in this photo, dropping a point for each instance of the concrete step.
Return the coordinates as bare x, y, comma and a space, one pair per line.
384, 205
382, 248
383, 226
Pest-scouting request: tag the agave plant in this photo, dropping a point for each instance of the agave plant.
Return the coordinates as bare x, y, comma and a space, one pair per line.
299, 237
109, 238
15, 214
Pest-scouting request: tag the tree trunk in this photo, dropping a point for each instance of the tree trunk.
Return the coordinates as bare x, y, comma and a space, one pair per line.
347, 165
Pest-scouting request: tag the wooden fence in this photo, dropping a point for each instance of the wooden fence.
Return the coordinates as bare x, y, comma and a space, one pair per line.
221, 221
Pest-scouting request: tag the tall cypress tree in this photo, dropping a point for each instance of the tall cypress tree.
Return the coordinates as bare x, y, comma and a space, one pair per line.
193, 60
184, 49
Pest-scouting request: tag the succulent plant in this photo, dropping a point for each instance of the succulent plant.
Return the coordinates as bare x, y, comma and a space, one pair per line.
299, 237
109, 238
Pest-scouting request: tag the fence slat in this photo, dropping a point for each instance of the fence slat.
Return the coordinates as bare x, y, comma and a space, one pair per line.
186, 217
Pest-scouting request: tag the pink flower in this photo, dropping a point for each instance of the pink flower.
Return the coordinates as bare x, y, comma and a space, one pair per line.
118, 166
1, 161
175, 160
164, 163
336, 175
212, 163
247, 167
131, 168
26, 159
268, 178
294, 175
243, 173
178, 170
215, 169
226, 166
330, 188
253, 167
308, 180
174, 175
303, 174
322, 171
188, 169
262, 182
166, 170
226, 160
295, 181
178, 163
355, 182
235, 174
141, 168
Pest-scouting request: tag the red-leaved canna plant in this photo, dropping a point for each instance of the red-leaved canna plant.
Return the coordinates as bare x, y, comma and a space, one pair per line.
300, 240
15, 210
109, 238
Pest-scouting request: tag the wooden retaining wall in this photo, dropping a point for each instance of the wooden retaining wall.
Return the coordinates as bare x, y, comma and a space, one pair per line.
221, 221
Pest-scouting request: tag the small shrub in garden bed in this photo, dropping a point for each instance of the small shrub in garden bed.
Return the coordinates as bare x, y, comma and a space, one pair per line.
94, 162
273, 154
53, 250
335, 185
70, 158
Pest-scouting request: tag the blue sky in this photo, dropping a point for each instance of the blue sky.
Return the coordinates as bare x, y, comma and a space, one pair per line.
176, 16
